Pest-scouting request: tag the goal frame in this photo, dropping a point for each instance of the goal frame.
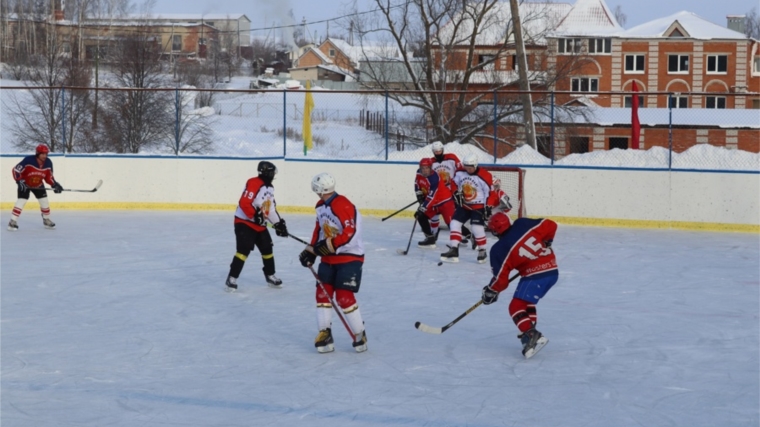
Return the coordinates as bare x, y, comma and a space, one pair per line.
520, 184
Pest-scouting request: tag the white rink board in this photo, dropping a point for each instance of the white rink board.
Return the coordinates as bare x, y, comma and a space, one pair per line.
725, 198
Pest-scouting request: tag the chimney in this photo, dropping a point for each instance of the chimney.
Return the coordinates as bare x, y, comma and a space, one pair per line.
58, 10
736, 22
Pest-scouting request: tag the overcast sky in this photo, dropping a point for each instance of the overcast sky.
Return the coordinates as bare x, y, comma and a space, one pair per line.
264, 12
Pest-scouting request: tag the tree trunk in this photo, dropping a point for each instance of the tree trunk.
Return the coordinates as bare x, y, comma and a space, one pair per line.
530, 127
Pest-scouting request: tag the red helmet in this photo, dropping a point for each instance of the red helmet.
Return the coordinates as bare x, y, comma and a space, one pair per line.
499, 223
41, 149
427, 161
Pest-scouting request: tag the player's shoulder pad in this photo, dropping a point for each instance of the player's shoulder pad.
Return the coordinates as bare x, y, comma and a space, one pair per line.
485, 176
451, 156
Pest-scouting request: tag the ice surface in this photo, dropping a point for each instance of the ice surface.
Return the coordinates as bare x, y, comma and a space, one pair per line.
119, 318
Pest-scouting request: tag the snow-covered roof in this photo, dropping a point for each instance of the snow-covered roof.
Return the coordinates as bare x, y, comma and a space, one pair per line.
326, 59
366, 50
695, 26
589, 17
188, 16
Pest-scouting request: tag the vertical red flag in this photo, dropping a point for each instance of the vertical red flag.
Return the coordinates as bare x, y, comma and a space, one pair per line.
635, 125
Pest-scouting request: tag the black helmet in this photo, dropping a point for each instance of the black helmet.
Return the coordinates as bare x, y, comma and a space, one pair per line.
267, 171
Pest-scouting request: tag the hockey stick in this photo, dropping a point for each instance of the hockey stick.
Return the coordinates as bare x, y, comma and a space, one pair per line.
291, 236
100, 182
334, 304
433, 330
399, 211
408, 245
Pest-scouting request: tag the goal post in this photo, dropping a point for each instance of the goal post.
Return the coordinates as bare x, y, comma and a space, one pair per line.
512, 182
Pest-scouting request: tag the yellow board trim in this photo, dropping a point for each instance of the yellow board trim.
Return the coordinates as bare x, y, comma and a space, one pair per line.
595, 222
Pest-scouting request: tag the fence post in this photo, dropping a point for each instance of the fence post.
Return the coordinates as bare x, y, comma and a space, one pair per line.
495, 129
63, 119
386, 126
551, 121
670, 130
284, 123
176, 121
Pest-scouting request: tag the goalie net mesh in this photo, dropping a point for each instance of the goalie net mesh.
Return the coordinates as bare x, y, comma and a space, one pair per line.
512, 181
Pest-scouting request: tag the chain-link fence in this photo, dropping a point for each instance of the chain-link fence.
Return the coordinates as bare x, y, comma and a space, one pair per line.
676, 131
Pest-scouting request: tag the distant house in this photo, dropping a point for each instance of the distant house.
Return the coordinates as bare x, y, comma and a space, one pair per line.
336, 59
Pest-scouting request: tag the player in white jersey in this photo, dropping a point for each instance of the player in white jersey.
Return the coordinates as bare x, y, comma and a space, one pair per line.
337, 238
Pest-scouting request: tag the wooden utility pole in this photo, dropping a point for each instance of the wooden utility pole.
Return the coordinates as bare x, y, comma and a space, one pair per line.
522, 68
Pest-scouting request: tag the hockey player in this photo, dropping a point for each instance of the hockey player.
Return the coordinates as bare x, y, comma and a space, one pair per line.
445, 165
256, 206
472, 186
435, 201
527, 247
337, 238
29, 175
498, 200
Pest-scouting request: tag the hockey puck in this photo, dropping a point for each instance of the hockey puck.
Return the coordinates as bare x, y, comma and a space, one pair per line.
440, 263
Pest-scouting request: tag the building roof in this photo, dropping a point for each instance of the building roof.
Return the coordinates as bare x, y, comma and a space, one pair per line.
695, 26
187, 17
365, 51
589, 17
693, 117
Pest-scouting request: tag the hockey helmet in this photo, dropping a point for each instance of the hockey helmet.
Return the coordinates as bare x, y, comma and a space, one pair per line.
267, 170
437, 147
499, 223
470, 161
41, 149
496, 184
323, 183
426, 162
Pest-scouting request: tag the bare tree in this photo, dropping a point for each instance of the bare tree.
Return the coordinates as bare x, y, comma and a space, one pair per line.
193, 132
620, 16
752, 24
457, 45
140, 118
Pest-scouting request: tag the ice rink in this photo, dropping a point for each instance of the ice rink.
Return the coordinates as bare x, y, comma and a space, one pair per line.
119, 318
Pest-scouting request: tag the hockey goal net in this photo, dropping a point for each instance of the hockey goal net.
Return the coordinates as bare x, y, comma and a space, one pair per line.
512, 182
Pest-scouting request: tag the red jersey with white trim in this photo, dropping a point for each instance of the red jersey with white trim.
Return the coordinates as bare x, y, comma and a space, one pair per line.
257, 197
340, 221
435, 193
475, 188
499, 201
33, 173
447, 167
523, 248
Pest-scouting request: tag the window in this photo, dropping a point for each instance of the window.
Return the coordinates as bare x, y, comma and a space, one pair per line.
756, 65
584, 84
488, 60
515, 65
618, 142
569, 46
634, 63
717, 64
599, 46
201, 41
756, 104
677, 101
628, 101
176, 43
715, 102
678, 63
211, 23
578, 144
332, 53
544, 143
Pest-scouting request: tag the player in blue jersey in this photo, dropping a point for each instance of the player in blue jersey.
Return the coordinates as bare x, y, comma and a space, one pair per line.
30, 175
525, 246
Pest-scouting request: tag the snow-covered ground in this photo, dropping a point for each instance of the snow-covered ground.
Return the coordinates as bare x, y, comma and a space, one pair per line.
129, 325
250, 125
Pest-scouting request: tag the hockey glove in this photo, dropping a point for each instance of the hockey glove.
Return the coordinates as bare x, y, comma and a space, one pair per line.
281, 229
57, 188
420, 196
22, 186
488, 212
258, 218
421, 210
548, 243
307, 258
489, 295
323, 247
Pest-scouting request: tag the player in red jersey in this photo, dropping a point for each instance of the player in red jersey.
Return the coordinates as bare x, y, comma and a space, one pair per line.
337, 238
472, 185
498, 200
527, 247
256, 206
435, 201
30, 174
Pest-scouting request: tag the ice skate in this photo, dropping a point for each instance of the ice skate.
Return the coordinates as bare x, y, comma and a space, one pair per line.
12, 225
48, 223
452, 255
429, 242
482, 256
532, 341
231, 284
273, 281
324, 341
360, 345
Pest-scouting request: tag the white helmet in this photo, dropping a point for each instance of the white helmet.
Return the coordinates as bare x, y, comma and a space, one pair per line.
437, 146
471, 160
323, 183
